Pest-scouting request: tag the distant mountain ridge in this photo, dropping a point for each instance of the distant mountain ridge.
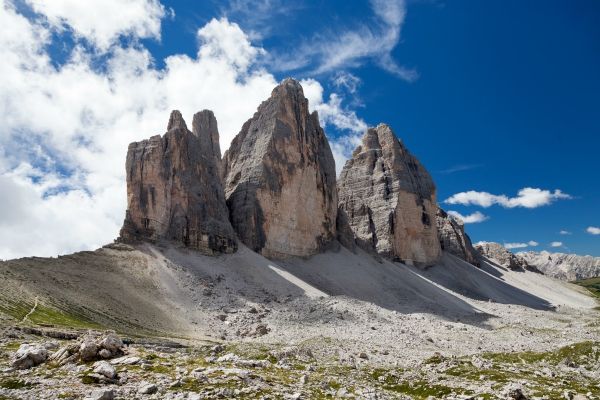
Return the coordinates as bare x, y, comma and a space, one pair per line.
569, 267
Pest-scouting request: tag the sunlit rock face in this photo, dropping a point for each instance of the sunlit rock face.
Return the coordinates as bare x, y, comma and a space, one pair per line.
280, 178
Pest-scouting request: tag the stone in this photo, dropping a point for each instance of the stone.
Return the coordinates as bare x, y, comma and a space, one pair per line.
453, 239
106, 369
389, 200
112, 343
280, 178
101, 394
147, 388
29, 355
174, 188
105, 353
125, 360
497, 253
88, 349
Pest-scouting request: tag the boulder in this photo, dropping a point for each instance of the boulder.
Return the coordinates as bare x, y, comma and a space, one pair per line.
453, 239
280, 178
147, 388
29, 355
88, 349
174, 188
105, 369
389, 200
112, 343
101, 394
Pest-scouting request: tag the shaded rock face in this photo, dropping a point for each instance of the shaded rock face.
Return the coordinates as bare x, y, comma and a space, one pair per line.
453, 238
174, 190
389, 201
280, 178
502, 256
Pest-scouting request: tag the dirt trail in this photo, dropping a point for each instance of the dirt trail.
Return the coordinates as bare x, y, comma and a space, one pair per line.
31, 311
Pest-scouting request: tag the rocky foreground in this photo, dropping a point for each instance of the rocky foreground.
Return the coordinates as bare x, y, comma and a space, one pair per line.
336, 325
103, 366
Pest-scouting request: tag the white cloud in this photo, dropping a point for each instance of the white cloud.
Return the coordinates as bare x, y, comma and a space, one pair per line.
102, 22
515, 245
531, 243
593, 230
349, 47
64, 130
556, 244
563, 232
347, 81
526, 197
333, 113
473, 218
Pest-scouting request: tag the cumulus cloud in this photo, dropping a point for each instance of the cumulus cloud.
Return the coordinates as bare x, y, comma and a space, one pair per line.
526, 198
556, 244
473, 218
102, 22
531, 243
64, 128
564, 232
593, 230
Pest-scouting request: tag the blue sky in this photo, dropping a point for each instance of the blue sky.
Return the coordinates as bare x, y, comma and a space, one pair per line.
493, 97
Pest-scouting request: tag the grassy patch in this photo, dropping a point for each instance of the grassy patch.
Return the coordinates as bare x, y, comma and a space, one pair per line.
591, 284
44, 314
15, 384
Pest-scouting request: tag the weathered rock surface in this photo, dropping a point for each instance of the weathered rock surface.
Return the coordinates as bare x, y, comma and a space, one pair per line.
568, 267
280, 178
90, 348
389, 200
453, 239
174, 189
29, 355
502, 256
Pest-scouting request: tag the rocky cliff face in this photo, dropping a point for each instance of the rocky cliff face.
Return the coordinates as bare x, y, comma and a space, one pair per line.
280, 178
174, 190
453, 238
389, 201
568, 267
500, 255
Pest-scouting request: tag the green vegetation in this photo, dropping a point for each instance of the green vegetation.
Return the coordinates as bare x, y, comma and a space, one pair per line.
15, 384
592, 284
43, 314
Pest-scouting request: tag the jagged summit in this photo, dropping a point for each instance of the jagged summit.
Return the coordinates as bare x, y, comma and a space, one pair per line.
563, 266
388, 198
280, 178
204, 126
174, 190
176, 121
